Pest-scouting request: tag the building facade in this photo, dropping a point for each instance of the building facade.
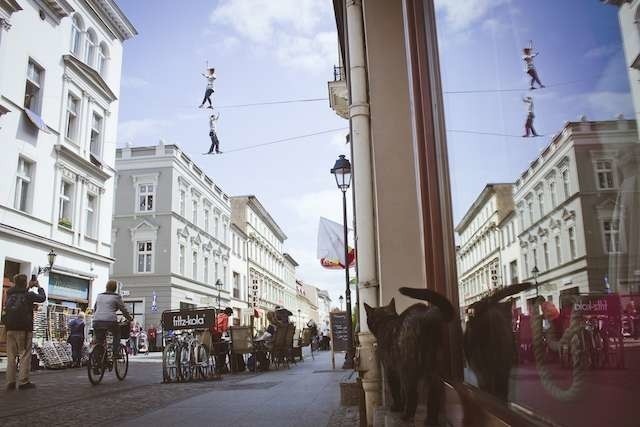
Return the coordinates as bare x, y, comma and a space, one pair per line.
171, 228
266, 263
307, 305
239, 273
573, 208
479, 263
58, 126
324, 308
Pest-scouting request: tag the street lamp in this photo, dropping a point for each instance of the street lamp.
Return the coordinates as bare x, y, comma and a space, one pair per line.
534, 274
219, 286
51, 258
299, 323
341, 298
342, 173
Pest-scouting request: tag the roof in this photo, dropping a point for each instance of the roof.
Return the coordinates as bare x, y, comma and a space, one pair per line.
264, 214
290, 259
488, 190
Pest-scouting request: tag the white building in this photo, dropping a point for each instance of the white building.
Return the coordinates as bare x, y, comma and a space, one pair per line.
58, 126
628, 16
238, 263
509, 249
266, 260
171, 233
324, 308
307, 304
576, 207
479, 266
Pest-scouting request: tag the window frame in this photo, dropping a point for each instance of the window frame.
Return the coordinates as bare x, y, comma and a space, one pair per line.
99, 131
618, 232
74, 138
146, 195
147, 254
21, 178
92, 232
607, 171
35, 102
64, 199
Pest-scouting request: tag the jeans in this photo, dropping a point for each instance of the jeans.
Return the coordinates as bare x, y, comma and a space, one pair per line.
76, 348
214, 142
528, 126
534, 76
19, 346
100, 328
207, 97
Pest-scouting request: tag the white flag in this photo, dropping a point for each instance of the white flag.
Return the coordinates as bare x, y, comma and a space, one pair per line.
331, 241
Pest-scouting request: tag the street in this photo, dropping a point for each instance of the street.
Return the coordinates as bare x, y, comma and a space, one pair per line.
307, 394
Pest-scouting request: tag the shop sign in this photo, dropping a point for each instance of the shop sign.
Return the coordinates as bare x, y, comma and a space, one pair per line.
188, 319
598, 304
71, 287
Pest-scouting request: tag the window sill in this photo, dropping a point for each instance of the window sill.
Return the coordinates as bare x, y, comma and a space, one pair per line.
72, 142
90, 239
65, 228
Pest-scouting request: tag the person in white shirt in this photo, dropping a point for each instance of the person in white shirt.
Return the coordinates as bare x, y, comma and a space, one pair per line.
530, 68
528, 125
211, 77
215, 143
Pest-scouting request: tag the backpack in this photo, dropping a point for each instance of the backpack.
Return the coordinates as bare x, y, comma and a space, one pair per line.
17, 312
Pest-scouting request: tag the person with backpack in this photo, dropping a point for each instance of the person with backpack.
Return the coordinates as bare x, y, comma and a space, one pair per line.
18, 320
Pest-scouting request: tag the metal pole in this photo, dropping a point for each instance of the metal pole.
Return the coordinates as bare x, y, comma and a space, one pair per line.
348, 361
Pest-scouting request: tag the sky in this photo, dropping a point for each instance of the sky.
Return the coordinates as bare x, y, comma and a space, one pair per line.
265, 50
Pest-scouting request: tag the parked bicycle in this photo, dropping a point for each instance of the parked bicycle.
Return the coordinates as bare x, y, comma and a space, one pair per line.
185, 359
102, 358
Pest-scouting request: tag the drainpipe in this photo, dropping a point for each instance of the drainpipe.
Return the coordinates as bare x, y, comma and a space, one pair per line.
359, 115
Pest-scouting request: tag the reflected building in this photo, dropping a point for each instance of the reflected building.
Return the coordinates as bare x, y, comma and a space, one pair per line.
574, 209
478, 250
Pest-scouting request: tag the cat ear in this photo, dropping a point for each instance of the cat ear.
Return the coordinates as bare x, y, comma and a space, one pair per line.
392, 304
367, 308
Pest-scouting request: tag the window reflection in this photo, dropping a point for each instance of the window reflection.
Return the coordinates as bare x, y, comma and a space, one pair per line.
556, 188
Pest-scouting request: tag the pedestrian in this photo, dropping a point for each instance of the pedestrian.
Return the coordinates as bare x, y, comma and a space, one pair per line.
76, 338
215, 143
18, 320
530, 69
134, 336
210, 75
220, 348
529, 130
151, 334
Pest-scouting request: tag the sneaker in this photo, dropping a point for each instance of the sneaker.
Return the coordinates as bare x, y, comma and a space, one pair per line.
26, 386
210, 106
11, 387
201, 105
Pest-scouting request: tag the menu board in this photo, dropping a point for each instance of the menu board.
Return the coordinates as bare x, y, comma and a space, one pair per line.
339, 330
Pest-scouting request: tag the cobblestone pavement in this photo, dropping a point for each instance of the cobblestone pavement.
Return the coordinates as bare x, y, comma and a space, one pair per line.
306, 394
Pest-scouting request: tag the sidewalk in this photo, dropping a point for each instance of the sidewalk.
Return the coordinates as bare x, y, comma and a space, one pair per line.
305, 395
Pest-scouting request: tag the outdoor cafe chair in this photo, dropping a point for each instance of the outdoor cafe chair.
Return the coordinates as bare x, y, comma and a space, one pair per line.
280, 350
242, 343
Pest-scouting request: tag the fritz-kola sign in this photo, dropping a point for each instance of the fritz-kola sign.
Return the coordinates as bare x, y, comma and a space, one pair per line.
188, 319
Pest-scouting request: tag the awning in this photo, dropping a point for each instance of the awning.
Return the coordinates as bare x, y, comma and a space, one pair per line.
37, 121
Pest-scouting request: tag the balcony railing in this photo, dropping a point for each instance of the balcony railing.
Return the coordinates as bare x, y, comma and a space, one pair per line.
338, 73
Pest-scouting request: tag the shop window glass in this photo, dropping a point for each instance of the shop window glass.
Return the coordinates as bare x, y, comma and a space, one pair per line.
568, 153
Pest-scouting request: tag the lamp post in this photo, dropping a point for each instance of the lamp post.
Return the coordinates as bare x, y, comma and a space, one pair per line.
299, 323
342, 173
534, 274
219, 286
51, 258
341, 298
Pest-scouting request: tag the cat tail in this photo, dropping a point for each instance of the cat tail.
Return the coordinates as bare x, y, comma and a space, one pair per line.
509, 290
434, 298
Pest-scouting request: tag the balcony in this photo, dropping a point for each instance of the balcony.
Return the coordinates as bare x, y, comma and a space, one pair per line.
338, 94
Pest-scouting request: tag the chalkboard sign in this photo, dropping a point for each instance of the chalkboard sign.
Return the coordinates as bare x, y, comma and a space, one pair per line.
202, 318
339, 331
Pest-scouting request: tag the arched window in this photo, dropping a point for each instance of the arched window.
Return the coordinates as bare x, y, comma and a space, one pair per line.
90, 49
103, 59
77, 27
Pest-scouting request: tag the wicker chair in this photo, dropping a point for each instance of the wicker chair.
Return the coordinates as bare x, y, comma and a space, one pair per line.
281, 345
241, 343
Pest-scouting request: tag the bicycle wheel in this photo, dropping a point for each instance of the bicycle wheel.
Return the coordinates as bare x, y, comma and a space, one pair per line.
96, 364
122, 363
184, 362
169, 363
200, 361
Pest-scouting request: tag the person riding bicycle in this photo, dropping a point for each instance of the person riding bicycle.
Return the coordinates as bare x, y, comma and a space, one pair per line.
105, 315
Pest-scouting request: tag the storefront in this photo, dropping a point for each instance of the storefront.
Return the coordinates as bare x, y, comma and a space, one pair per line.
69, 290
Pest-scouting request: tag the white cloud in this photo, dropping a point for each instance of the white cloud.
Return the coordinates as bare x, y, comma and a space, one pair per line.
609, 104
602, 51
142, 129
461, 14
291, 30
132, 82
